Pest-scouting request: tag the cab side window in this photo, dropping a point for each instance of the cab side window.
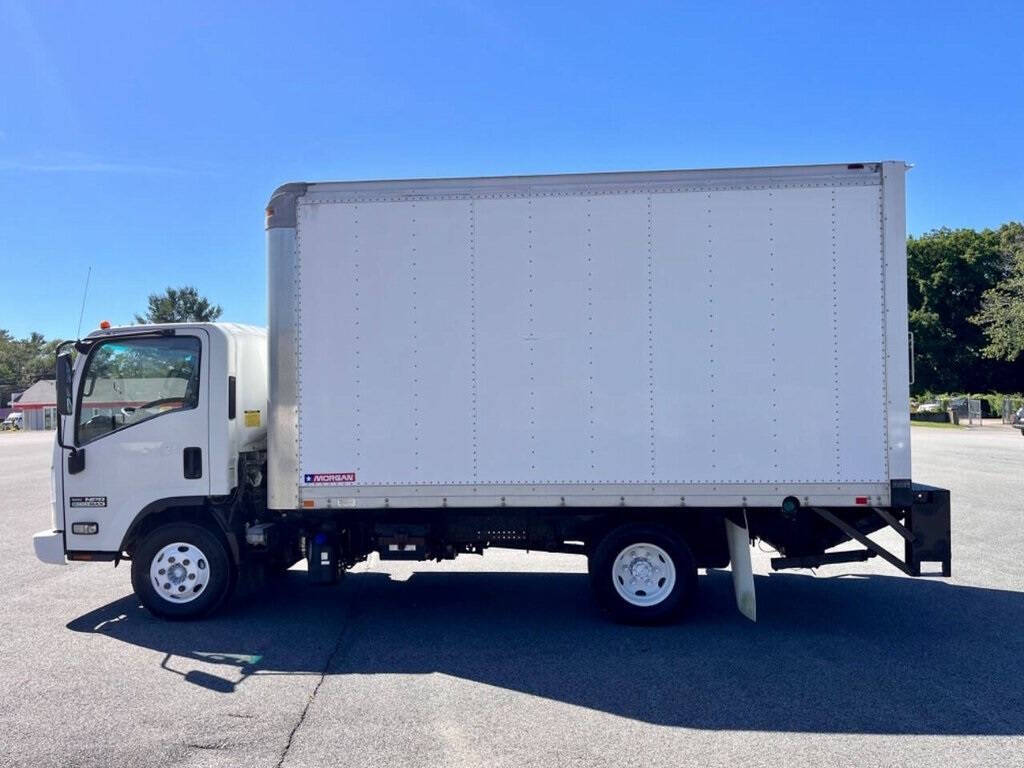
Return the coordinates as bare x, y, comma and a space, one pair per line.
128, 381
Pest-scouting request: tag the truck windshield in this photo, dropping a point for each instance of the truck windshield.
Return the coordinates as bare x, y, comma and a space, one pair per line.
127, 381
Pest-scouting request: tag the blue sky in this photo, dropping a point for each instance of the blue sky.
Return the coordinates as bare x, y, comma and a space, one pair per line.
144, 139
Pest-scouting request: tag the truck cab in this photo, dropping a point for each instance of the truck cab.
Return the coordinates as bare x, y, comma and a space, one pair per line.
154, 421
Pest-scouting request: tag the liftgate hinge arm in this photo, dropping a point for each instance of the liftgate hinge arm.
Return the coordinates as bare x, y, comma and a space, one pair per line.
895, 524
878, 549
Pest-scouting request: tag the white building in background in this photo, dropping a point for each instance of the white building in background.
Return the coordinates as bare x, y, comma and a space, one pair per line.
106, 398
38, 405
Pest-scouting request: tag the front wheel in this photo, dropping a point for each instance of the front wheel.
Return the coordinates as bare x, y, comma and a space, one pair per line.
643, 574
182, 571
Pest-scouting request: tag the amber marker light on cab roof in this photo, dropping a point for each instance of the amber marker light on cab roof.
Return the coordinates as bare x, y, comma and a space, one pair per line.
104, 325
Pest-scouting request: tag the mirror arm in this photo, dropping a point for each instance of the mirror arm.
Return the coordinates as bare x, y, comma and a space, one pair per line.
60, 435
61, 416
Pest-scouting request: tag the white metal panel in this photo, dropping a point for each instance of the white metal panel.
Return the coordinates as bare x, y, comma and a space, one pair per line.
329, 347
616, 391
282, 369
379, 421
680, 319
555, 339
686, 337
561, 362
804, 400
897, 362
390, 369
562, 383
743, 305
502, 401
748, 342
441, 329
860, 418
222, 452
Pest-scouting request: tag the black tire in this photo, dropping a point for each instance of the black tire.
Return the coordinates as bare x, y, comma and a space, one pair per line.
674, 605
222, 571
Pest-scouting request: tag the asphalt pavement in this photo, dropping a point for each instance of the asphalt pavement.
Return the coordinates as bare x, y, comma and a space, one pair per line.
503, 660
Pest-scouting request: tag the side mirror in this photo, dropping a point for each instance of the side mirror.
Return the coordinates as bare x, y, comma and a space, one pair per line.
65, 381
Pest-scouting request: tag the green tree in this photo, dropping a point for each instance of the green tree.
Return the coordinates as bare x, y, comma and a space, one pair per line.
948, 272
10, 367
179, 305
39, 359
23, 362
1001, 316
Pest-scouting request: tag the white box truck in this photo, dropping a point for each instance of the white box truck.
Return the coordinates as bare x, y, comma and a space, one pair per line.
653, 370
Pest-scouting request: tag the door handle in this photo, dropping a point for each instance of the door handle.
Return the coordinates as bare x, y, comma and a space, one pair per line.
193, 463
76, 461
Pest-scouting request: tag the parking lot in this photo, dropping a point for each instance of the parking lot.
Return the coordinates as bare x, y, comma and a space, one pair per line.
503, 660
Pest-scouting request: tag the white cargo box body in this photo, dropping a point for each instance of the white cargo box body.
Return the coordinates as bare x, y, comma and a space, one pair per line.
680, 338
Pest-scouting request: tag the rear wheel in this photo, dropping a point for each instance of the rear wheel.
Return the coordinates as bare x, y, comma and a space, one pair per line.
643, 574
182, 571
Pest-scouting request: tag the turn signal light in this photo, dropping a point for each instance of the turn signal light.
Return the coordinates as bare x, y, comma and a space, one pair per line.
85, 529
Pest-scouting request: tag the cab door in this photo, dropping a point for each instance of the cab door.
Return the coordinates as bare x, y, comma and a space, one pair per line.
140, 431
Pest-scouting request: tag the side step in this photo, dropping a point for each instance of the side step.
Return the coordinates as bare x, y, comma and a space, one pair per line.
825, 558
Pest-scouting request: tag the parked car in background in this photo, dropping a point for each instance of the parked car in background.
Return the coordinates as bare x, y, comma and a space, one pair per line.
1018, 419
13, 421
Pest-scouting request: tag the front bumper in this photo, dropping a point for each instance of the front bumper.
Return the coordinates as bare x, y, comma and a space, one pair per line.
49, 547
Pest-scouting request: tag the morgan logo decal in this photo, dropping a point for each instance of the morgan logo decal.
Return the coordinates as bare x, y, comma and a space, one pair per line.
88, 501
330, 478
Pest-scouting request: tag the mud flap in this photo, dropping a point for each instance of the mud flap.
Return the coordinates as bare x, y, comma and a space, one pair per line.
742, 571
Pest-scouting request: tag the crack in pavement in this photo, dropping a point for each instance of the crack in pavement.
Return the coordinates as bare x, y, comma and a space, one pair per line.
350, 613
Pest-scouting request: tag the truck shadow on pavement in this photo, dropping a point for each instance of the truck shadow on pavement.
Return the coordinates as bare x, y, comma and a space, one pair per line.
856, 654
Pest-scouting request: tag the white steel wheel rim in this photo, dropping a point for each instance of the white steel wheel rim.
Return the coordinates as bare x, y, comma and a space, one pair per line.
179, 572
643, 574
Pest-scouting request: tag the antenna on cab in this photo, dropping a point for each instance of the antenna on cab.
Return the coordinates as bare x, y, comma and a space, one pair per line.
78, 333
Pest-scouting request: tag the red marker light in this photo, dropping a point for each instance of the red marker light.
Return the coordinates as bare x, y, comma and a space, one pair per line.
861, 500
104, 324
